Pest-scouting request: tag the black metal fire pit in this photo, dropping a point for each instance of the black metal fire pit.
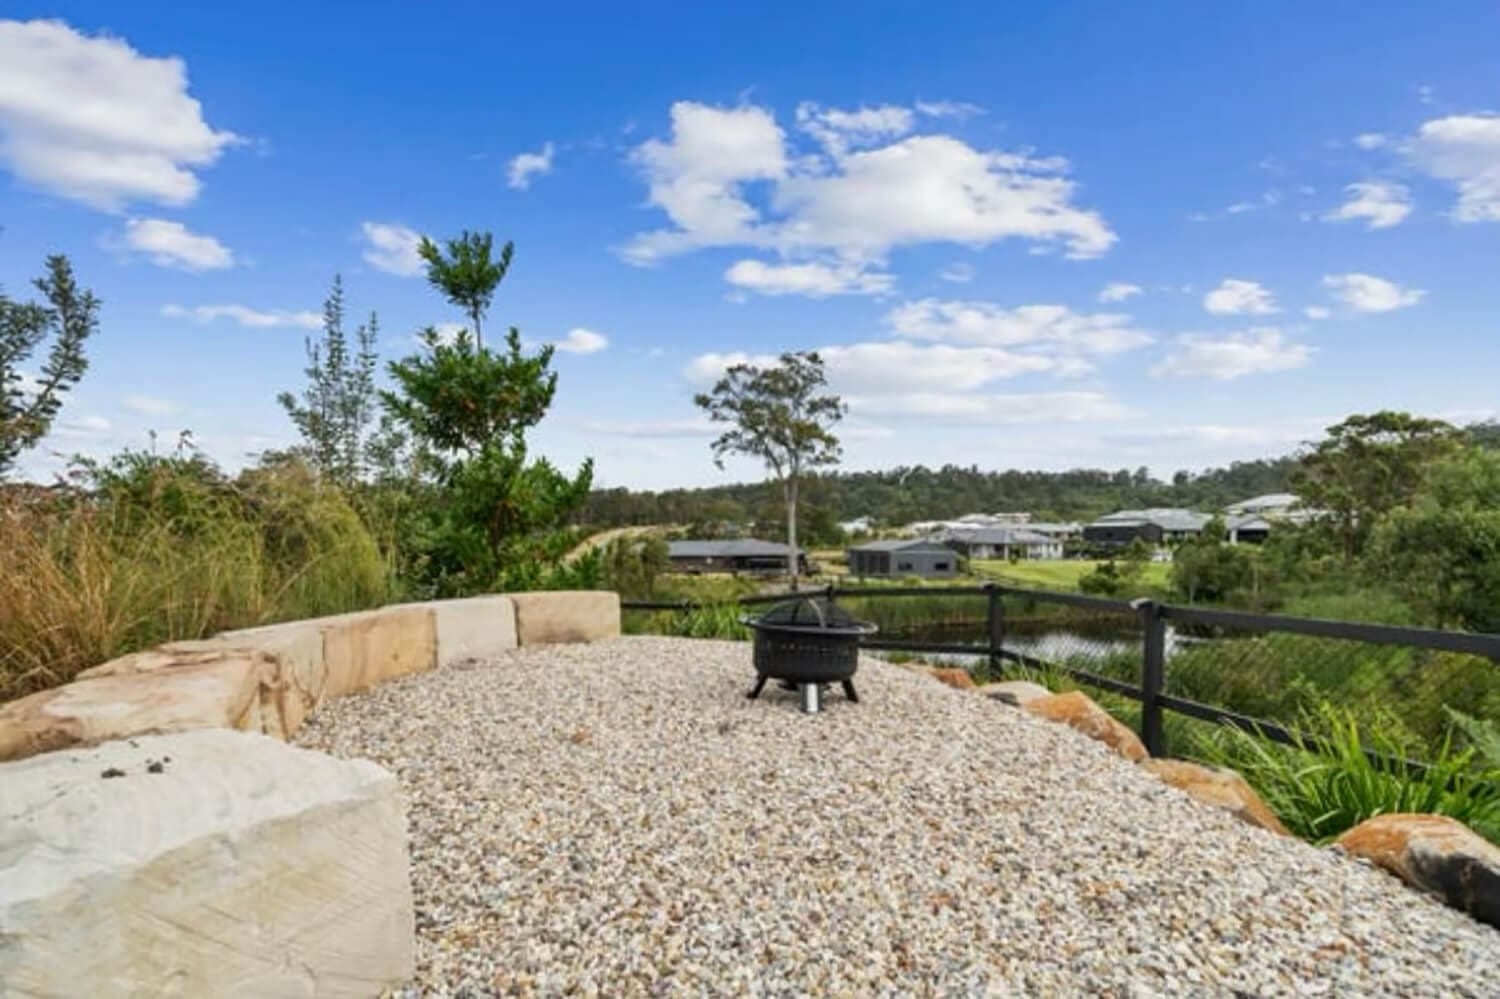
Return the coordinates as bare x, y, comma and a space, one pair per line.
806, 643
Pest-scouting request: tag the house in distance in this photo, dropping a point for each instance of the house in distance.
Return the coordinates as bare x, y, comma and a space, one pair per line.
747, 555
1004, 543
903, 557
1159, 527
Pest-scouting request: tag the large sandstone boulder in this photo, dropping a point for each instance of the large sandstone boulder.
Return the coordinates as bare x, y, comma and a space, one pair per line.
1077, 710
475, 628
217, 864
1218, 787
1436, 854
1016, 693
214, 691
546, 618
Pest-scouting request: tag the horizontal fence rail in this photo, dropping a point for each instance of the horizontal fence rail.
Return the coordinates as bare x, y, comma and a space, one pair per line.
1152, 619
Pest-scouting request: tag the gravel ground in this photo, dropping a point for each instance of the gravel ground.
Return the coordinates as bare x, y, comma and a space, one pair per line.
617, 819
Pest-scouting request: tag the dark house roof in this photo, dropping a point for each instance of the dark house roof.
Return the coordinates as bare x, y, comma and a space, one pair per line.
1000, 536
1167, 519
737, 548
902, 545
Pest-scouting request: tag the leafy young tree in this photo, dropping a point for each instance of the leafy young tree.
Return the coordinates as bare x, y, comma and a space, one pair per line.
779, 415
468, 273
337, 409
29, 404
1366, 466
495, 515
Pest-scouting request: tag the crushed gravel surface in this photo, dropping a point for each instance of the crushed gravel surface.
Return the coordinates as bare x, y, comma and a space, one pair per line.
617, 819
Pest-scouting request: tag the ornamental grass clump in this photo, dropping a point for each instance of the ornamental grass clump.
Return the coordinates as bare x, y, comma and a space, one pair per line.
1327, 783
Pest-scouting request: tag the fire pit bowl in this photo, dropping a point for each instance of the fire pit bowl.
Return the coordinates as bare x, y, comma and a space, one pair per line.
806, 643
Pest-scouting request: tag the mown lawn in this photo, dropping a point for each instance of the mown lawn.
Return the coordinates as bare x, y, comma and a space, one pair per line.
1059, 574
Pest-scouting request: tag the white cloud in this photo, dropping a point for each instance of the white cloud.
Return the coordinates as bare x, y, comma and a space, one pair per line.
527, 165
392, 248
856, 197
983, 409
1370, 140
1465, 150
172, 244
1234, 297
814, 280
1317, 312
1255, 351
1119, 291
1379, 203
245, 316
148, 405
948, 109
987, 324
1367, 293
959, 273
582, 341
839, 130
705, 369
93, 120
82, 427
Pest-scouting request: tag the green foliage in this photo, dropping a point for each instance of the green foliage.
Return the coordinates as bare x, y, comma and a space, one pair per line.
1209, 569
904, 494
1441, 551
715, 620
1481, 734
29, 403
1366, 466
780, 415
493, 518
467, 274
1115, 577
1325, 784
337, 408
152, 549
631, 566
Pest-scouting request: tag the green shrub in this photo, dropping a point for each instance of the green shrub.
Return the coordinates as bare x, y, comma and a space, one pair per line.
1325, 784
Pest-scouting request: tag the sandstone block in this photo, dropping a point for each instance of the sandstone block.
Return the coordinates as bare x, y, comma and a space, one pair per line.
1436, 854
364, 650
546, 618
1218, 787
240, 867
216, 692
1015, 692
475, 628
1078, 711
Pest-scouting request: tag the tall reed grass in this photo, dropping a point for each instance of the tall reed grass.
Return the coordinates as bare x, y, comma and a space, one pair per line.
167, 549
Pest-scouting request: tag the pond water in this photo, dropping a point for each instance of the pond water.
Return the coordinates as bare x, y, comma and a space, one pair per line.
1069, 645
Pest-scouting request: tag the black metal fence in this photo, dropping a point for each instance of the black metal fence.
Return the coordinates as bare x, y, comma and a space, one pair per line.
1256, 672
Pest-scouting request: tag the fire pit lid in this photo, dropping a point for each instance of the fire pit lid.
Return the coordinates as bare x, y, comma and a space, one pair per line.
811, 614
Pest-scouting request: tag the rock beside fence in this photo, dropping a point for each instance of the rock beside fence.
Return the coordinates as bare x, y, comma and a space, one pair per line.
1437, 854
1078, 711
1218, 787
1014, 692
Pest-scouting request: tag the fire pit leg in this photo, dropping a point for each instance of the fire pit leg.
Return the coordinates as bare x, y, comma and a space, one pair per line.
849, 691
811, 698
760, 683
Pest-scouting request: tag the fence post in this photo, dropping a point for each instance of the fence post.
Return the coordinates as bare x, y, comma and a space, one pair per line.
1153, 672
995, 617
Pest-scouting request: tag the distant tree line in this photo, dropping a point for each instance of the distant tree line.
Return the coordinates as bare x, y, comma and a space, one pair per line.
905, 494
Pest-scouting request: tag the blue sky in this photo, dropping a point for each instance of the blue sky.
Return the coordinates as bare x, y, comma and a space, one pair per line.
1083, 234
